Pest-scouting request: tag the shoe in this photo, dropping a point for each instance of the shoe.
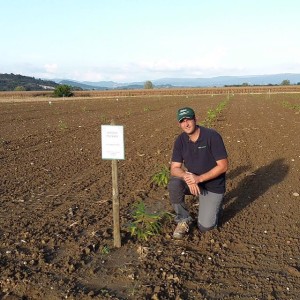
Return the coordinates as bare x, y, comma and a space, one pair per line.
181, 229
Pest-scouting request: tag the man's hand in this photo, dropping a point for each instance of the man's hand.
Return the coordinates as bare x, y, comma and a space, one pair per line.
194, 189
190, 178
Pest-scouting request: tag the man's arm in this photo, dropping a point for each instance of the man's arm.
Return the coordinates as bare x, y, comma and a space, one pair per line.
177, 171
220, 168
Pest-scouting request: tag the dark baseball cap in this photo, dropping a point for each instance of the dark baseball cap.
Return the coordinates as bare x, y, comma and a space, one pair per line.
185, 113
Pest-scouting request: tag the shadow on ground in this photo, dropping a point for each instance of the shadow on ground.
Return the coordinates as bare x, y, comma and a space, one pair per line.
253, 186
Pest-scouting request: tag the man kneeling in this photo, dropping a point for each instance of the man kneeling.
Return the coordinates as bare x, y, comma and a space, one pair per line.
199, 164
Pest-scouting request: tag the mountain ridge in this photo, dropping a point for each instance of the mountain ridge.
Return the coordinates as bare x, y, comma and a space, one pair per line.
10, 82
218, 81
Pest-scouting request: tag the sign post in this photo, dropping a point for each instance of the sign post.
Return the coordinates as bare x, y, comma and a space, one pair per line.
112, 140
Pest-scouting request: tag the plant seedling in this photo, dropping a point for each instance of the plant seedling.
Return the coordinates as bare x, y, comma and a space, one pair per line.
62, 125
161, 178
146, 224
105, 250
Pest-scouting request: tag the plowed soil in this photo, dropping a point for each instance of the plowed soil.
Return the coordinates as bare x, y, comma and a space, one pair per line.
56, 201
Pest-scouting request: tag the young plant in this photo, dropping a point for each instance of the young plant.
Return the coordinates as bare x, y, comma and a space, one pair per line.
105, 250
146, 224
62, 125
288, 105
161, 178
103, 118
221, 106
212, 114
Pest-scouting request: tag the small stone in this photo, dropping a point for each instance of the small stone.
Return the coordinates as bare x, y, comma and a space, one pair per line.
32, 262
86, 250
154, 297
92, 271
296, 194
71, 268
293, 271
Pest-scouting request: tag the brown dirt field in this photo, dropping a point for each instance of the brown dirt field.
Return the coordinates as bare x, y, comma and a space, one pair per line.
56, 207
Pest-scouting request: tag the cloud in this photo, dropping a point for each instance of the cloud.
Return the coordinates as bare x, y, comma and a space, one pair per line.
211, 60
51, 68
198, 64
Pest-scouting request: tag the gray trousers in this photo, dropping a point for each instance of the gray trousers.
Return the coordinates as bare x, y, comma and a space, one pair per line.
209, 204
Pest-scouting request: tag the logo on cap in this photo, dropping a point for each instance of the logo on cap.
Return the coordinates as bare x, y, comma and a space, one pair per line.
185, 113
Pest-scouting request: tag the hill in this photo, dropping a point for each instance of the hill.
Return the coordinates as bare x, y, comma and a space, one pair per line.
220, 81
102, 85
12, 82
81, 85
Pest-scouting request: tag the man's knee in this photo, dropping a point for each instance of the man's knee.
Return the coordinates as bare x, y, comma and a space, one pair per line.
209, 211
210, 223
176, 190
204, 228
175, 183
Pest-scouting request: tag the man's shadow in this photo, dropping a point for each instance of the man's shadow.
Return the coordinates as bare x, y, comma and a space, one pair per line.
252, 187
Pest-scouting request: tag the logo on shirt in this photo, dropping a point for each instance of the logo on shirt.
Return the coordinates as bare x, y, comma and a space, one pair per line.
202, 147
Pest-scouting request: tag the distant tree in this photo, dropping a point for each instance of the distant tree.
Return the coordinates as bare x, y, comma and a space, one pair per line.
285, 82
148, 85
245, 84
298, 83
20, 88
63, 91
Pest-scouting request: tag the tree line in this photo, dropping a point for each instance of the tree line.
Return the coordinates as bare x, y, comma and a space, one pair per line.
12, 82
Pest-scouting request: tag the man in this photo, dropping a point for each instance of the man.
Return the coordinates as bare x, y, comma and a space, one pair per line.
199, 164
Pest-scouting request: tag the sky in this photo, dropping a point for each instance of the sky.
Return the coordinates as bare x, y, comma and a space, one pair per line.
139, 40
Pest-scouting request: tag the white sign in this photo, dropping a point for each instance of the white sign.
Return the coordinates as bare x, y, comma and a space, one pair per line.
112, 140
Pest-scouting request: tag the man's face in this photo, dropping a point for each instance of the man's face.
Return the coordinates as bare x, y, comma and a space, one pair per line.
188, 125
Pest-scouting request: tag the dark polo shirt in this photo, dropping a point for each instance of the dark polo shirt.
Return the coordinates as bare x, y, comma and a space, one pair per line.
199, 157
